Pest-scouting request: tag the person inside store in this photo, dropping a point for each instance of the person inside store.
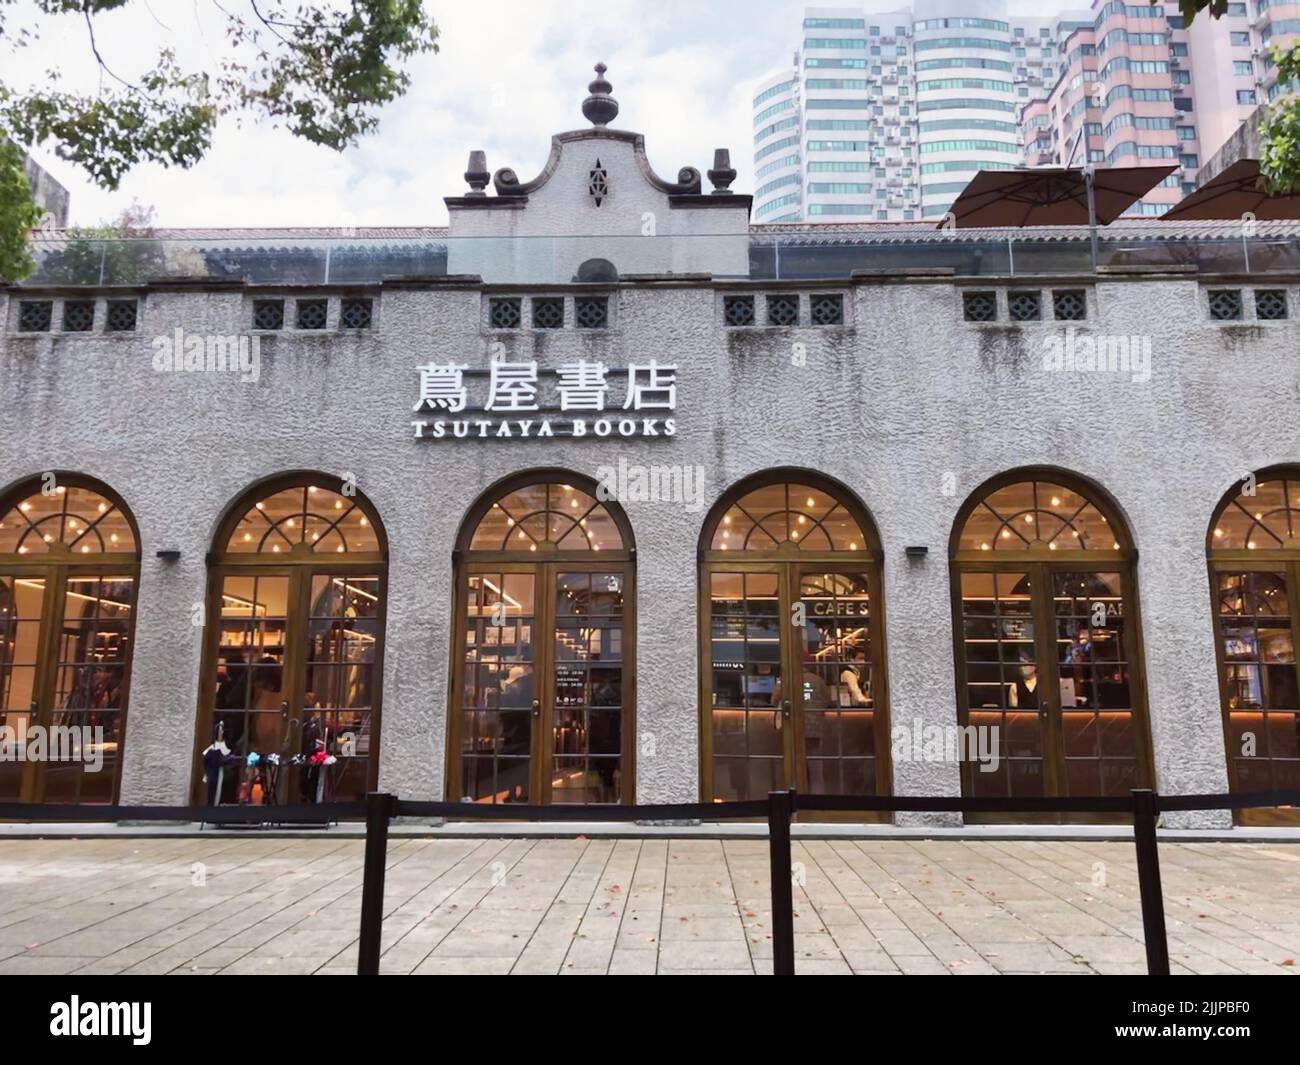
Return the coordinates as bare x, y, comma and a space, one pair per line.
516, 730
232, 692
1076, 669
266, 696
816, 692
1022, 693
854, 684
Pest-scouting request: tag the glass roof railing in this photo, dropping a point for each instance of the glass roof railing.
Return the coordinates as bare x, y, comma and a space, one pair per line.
69, 260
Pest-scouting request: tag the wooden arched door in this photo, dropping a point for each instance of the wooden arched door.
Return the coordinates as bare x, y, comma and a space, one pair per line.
792, 683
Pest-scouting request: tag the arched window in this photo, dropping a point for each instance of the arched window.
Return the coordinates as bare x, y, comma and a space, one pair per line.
1254, 551
1047, 640
792, 687
294, 651
69, 565
542, 693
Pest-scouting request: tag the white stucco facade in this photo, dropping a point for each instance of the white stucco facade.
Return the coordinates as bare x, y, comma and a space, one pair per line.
906, 403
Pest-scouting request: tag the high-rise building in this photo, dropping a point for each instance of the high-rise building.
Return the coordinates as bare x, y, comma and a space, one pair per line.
887, 117
1138, 87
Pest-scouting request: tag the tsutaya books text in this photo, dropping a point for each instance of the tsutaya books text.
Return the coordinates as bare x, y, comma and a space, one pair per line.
577, 395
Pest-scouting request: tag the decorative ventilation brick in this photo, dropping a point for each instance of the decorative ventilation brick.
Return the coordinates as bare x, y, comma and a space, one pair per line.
121, 316
591, 312
979, 306
312, 314
783, 309
738, 310
356, 312
268, 314
1024, 306
34, 316
78, 316
1225, 304
1270, 304
1069, 305
826, 309
548, 312
505, 312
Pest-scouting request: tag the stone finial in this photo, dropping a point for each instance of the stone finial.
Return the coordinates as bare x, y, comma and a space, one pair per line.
600, 108
476, 174
723, 173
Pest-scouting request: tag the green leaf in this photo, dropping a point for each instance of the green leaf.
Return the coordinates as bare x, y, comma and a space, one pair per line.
322, 71
18, 215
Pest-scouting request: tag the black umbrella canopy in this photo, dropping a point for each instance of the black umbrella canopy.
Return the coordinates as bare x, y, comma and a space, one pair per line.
1235, 193
1052, 196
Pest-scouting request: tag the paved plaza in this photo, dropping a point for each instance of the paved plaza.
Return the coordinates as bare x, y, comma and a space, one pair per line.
250, 904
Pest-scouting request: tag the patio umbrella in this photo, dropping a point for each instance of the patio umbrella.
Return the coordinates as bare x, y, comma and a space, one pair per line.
1234, 194
1053, 196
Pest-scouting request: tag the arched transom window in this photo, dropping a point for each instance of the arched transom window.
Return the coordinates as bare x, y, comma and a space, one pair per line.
1037, 515
66, 519
304, 519
1267, 518
812, 519
547, 517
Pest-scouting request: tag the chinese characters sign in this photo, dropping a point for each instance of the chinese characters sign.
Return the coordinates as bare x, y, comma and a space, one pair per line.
514, 400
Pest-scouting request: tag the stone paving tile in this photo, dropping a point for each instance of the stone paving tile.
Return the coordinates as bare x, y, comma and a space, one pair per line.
540, 961
634, 962
247, 904
484, 966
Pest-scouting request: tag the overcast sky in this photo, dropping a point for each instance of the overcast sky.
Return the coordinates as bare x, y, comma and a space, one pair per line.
508, 74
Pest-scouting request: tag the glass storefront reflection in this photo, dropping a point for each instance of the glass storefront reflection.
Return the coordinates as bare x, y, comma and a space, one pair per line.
294, 690
68, 570
792, 676
1044, 654
544, 675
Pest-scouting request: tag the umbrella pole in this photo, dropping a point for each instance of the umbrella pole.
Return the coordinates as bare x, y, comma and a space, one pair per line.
1092, 213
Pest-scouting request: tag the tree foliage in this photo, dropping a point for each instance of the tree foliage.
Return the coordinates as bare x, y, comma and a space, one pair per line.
18, 214
320, 68
1279, 135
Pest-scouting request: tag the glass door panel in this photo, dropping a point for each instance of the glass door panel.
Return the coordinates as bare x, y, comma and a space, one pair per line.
1258, 654
338, 696
22, 602
498, 687
1002, 679
749, 740
1098, 732
835, 701
587, 709
249, 708
93, 649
